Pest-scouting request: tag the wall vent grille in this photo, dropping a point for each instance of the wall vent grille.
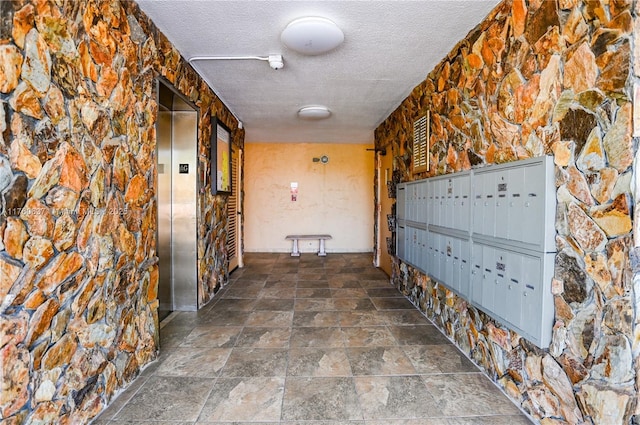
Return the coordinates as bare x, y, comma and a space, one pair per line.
421, 144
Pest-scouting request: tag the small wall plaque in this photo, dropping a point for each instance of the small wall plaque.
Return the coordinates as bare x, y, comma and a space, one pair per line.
184, 169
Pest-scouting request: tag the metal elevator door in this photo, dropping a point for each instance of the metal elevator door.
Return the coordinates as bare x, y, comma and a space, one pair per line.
177, 203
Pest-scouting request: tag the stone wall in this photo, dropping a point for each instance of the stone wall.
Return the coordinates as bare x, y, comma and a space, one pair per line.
545, 78
78, 267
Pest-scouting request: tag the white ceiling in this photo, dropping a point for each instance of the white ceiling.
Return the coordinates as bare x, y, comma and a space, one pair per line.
389, 48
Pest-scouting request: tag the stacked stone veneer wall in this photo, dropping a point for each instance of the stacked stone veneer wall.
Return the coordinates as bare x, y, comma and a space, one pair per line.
535, 78
78, 266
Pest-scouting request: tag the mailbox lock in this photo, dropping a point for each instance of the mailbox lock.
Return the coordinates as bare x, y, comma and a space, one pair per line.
525, 294
527, 204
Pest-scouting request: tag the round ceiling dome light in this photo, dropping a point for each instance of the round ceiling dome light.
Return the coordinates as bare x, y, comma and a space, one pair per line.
314, 113
312, 35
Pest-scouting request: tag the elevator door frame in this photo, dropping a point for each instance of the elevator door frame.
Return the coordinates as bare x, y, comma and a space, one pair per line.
183, 279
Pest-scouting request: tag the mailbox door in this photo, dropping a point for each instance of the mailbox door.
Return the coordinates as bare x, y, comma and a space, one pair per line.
476, 273
448, 203
489, 204
462, 203
488, 277
401, 243
465, 263
448, 261
436, 256
500, 283
533, 214
424, 197
515, 223
502, 186
430, 202
477, 224
423, 260
531, 295
455, 276
431, 253
514, 289
401, 200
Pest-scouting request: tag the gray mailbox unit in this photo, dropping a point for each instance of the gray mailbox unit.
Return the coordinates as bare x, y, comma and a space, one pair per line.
488, 235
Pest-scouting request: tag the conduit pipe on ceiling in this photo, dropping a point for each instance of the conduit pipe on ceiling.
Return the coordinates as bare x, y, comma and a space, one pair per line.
275, 61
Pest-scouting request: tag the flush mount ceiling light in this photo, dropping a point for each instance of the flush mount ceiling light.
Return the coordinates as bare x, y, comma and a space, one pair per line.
314, 113
312, 35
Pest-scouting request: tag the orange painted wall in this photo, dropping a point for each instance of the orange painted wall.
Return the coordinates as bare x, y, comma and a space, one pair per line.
334, 198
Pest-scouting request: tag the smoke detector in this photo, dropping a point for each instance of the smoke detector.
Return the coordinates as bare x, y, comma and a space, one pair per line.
276, 62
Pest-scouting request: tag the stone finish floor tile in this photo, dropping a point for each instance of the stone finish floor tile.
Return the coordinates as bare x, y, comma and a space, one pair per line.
125, 396
360, 318
375, 283
308, 341
438, 359
314, 304
239, 291
277, 292
348, 293
320, 399
474, 420
404, 318
274, 304
316, 337
318, 362
264, 337
223, 318
212, 336
174, 335
373, 336
468, 394
418, 335
149, 422
244, 399
322, 423
392, 304
276, 319
196, 362
255, 362
389, 292
313, 293
395, 397
379, 361
234, 304
353, 304
313, 284
167, 398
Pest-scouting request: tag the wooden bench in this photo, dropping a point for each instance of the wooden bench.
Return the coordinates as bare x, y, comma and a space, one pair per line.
295, 238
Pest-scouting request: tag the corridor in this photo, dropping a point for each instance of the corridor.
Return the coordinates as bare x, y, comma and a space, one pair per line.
298, 340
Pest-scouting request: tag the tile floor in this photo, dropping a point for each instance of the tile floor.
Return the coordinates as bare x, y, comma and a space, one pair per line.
309, 340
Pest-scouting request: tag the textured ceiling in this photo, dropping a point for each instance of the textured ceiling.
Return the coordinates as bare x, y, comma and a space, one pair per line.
389, 48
